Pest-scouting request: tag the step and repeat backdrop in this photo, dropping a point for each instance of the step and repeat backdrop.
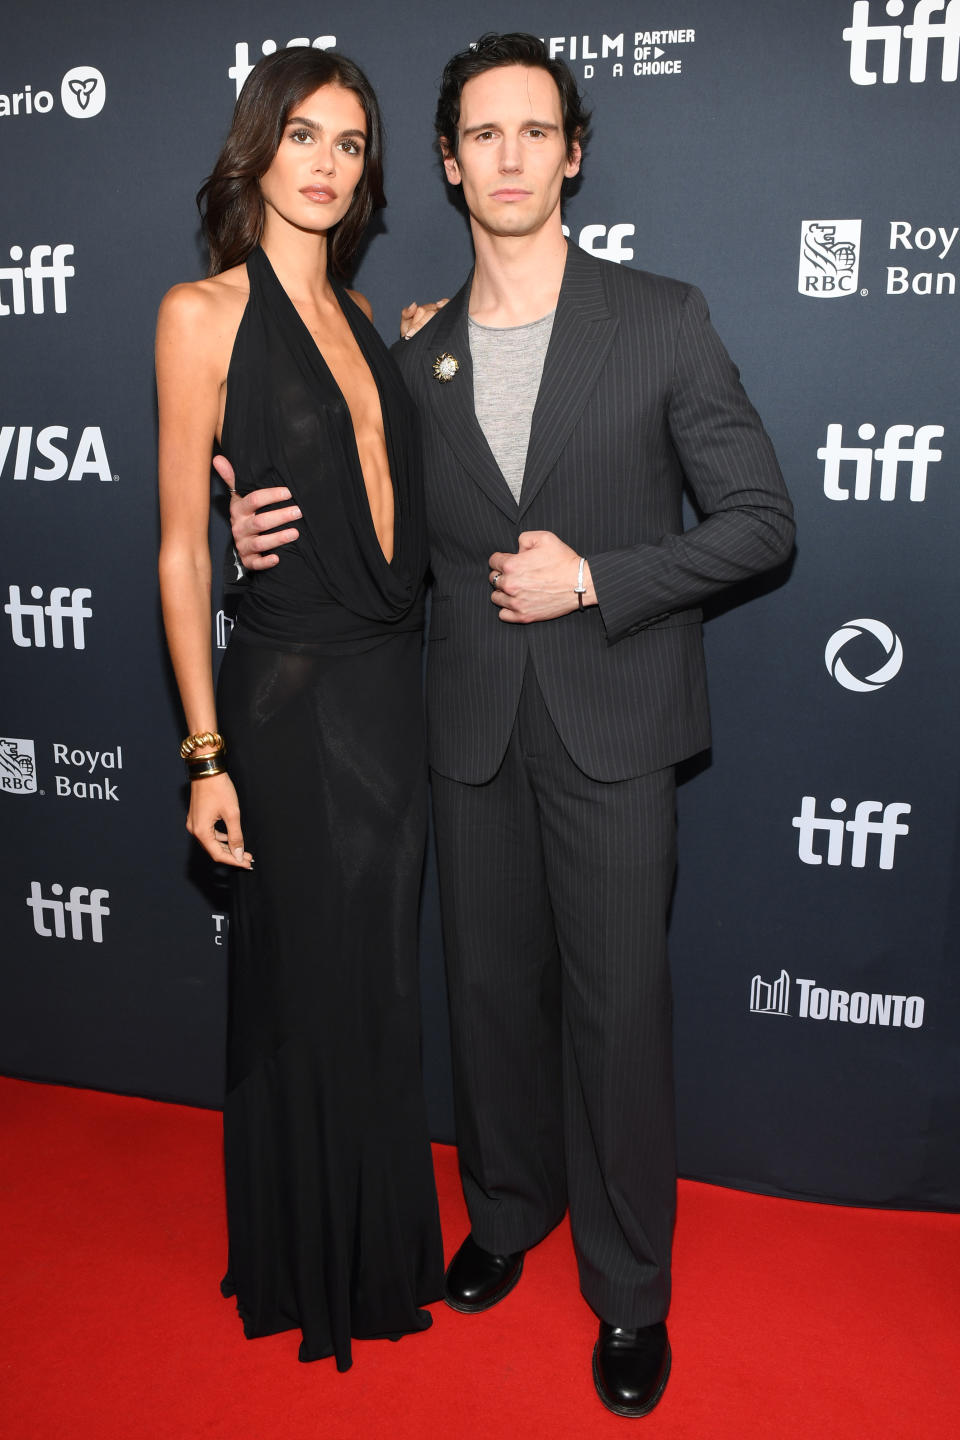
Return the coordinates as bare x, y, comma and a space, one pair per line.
798, 163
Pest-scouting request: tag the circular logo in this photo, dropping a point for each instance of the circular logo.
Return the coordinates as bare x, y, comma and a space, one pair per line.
853, 630
83, 91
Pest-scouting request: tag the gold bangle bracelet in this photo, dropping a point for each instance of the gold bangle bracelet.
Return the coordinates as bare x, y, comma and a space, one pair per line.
206, 765
201, 740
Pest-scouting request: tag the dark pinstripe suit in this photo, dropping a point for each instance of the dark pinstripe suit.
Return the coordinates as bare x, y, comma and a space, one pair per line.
552, 747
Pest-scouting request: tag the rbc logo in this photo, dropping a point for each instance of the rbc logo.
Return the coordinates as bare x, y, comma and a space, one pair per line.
861, 827
860, 35
853, 630
64, 604
47, 262
18, 767
892, 454
242, 64
56, 910
591, 236
829, 258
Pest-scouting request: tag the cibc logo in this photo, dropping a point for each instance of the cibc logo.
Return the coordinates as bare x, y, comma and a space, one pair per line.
50, 914
816, 1002
852, 632
64, 605
83, 94
904, 449
606, 243
829, 258
862, 827
46, 263
872, 44
242, 64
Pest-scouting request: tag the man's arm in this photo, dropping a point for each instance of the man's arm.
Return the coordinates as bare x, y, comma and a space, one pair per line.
730, 464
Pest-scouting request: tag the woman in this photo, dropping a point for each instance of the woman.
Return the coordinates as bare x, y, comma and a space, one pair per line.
331, 1208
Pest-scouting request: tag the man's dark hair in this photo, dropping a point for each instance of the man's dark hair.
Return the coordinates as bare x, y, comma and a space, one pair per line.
231, 205
491, 52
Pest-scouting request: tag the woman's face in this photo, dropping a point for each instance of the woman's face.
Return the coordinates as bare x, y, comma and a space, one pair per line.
319, 161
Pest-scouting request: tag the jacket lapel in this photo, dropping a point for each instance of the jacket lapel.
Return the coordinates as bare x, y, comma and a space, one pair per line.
583, 332
451, 403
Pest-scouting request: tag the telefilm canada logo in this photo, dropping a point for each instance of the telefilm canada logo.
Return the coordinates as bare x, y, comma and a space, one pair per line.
242, 63
849, 639
829, 258
846, 1007
877, 46
640, 53
83, 94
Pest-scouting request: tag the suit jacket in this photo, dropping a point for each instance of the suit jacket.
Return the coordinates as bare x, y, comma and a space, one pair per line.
637, 396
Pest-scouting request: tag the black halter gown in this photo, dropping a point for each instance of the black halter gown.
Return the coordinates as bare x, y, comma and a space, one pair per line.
331, 1206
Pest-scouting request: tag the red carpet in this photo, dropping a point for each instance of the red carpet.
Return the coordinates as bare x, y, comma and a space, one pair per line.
789, 1320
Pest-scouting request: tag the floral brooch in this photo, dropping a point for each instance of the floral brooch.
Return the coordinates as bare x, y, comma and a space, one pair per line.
445, 367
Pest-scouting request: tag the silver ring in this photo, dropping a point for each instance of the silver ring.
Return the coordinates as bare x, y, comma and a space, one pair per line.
497, 574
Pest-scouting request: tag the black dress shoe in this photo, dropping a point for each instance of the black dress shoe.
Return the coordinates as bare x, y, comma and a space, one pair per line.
631, 1367
476, 1279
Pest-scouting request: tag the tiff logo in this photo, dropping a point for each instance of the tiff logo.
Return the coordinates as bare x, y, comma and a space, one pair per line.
860, 35
56, 911
770, 997
861, 827
47, 262
242, 64
64, 604
894, 452
592, 236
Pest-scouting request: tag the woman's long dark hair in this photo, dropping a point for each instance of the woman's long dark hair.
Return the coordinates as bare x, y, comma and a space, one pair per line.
231, 205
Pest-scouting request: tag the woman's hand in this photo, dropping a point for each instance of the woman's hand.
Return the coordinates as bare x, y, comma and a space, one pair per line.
214, 799
413, 317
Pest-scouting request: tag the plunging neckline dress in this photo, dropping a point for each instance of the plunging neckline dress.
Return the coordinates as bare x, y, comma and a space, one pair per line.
331, 1207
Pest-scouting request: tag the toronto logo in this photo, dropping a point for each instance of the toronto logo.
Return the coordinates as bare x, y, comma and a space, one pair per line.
829, 258
852, 631
18, 767
848, 1007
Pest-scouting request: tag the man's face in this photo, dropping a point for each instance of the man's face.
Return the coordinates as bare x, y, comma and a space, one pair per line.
512, 158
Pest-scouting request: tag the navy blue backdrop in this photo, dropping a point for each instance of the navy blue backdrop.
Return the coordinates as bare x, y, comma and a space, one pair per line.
793, 161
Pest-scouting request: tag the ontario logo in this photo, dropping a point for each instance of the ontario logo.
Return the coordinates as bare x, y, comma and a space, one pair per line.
83, 94
848, 1007
18, 767
829, 258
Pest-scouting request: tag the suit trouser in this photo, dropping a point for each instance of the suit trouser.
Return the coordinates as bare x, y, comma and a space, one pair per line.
554, 892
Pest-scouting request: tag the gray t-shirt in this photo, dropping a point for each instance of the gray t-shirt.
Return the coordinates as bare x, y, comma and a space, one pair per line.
507, 366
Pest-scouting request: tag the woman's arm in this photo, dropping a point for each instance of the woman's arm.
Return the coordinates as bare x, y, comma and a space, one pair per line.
193, 329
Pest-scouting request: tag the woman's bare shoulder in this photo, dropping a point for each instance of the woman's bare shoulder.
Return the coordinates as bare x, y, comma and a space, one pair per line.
362, 302
198, 305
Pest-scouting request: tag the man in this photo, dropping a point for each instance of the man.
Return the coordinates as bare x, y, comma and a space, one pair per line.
565, 400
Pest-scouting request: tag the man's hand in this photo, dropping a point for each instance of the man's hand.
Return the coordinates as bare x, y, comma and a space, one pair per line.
248, 524
413, 317
537, 583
